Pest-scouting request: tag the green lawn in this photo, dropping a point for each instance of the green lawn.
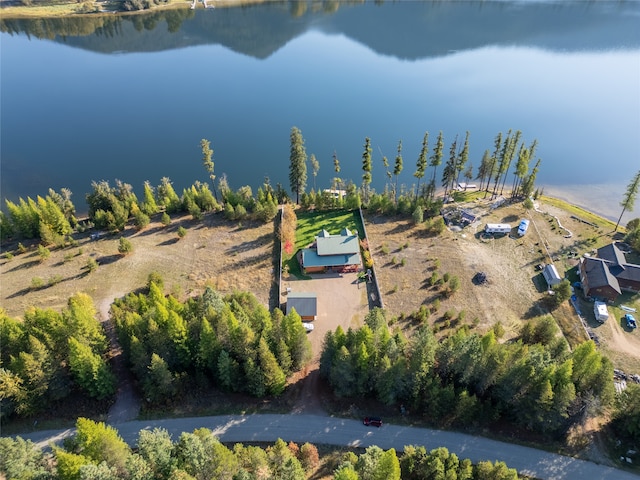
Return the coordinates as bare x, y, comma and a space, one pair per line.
311, 223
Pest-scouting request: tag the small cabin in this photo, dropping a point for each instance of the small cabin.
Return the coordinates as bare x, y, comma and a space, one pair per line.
523, 227
497, 228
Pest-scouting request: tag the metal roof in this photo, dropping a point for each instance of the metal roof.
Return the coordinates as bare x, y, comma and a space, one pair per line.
310, 258
338, 245
305, 303
551, 275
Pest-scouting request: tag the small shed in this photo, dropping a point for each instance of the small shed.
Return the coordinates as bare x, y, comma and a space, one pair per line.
551, 275
305, 304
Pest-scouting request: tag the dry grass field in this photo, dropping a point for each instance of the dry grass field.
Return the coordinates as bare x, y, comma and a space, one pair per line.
226, 255
405, 259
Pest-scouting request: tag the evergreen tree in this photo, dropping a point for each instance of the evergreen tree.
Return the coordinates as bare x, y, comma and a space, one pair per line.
298, 164
90, 371
397, 169
483, 169
436, 157
421, 164
463, 158
167, 197
315, 168
149, 205
207, 161
493, 166
449, 173
366, 169
629, 198
275, 380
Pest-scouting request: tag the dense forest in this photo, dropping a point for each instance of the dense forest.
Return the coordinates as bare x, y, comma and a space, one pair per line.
233, 343
468, 378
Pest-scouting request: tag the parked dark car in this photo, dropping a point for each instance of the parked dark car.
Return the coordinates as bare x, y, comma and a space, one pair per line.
372, 421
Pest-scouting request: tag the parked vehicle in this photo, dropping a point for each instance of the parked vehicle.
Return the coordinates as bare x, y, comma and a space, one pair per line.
631, 321
522, 228
497, 228
308, 326
600, 311
372, 421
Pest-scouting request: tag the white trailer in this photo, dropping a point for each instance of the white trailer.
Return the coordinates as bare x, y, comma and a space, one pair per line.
601, 312
497, 228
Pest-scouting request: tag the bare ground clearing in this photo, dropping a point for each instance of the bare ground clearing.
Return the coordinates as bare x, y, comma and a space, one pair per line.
515, 288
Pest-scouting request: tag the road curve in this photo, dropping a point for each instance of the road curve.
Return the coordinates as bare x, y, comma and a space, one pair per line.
318, 429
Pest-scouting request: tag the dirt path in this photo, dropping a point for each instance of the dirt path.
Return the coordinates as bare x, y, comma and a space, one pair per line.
621, 340
342, 300
127, 404
309, 397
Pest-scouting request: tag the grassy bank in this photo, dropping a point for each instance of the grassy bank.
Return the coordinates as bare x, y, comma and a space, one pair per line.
55, 9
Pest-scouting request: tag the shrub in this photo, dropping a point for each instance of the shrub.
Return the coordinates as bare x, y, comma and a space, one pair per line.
124, 246
43, 253
54, 280
385, 248
8, 256
449, 314
182, 232
418, 215
445, 277
436, 305
394, 260
21, 248
403, 262
165, 219
498, 330
141, 219
240, 213
37, 283
309, 457
92, 265
423, 313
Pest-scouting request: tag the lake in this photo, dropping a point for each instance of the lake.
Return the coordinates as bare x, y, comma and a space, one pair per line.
129, 98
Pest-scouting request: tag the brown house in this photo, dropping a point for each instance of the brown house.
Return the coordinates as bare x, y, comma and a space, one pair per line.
608, 275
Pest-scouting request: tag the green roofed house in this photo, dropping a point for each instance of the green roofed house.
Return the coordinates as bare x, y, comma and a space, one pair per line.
337, 253
305, 304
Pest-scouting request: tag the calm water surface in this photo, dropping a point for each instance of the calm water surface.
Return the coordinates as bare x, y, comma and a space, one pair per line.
131, 99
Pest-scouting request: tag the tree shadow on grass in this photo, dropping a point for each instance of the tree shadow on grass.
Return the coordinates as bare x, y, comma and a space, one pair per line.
108, 259
166, 243
261, 241
23, 266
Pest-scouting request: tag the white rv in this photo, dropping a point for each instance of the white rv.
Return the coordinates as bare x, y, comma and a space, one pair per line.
601, 312
497, 228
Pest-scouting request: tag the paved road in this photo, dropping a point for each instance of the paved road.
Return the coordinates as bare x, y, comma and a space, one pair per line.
320, 429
